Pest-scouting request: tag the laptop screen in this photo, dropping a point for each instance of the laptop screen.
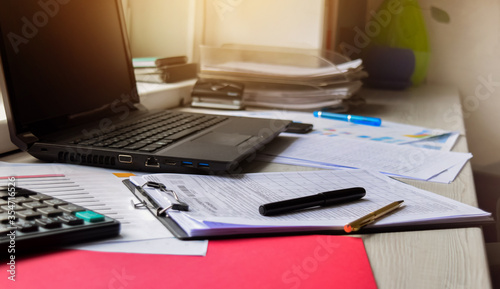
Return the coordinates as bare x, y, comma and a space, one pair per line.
63, 58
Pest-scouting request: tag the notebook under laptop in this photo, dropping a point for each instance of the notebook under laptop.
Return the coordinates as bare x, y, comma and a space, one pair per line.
70, 96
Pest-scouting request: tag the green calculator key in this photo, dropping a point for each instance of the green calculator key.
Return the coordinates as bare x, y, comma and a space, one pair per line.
90, 216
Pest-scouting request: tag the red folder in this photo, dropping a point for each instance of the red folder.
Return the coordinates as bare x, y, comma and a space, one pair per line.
273, 262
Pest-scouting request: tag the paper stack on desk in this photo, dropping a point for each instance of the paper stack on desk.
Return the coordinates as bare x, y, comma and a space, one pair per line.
229, 205
394, 160
301, 97
285, 78
394, 149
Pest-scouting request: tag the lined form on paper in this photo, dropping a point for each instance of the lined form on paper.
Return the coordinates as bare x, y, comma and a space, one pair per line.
221, 205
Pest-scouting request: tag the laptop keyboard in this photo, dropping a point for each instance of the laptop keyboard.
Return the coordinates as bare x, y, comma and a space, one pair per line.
154, 132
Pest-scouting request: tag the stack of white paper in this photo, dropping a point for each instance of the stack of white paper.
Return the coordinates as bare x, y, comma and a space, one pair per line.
280, 78
394, 149
395, 160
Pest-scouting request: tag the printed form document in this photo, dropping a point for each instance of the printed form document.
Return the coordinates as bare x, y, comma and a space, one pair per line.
226, 205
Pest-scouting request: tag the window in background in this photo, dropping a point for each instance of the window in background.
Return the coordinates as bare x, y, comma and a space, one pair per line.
160, 28
5, 143
280, 23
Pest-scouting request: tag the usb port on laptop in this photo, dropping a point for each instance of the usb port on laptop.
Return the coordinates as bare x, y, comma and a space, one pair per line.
203, 165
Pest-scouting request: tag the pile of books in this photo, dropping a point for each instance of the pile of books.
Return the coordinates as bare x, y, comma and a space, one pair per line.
164, 70
285, 78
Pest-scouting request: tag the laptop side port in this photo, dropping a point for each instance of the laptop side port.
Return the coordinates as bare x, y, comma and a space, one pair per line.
152, 162
187, 164
203, 165
126, 159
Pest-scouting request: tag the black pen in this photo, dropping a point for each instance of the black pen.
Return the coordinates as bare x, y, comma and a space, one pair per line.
321, 199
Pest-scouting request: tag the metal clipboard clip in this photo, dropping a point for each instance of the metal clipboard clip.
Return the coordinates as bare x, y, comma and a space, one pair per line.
157, 201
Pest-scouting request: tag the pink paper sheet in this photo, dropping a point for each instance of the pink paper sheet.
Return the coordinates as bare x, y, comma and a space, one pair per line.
274, 262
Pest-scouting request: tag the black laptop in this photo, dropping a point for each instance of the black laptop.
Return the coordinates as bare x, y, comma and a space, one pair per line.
70, 96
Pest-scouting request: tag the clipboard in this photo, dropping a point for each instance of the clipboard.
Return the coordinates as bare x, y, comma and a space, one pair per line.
161, 213
147, 202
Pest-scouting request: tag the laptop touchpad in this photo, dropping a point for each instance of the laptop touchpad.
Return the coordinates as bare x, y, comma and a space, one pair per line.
227, 139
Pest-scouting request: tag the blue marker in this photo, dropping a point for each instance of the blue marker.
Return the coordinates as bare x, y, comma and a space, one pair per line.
350, 118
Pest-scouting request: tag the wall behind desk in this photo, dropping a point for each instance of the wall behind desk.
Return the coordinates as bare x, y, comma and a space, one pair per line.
465, 52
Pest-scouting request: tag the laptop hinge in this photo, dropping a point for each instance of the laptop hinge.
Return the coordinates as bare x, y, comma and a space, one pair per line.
25, 140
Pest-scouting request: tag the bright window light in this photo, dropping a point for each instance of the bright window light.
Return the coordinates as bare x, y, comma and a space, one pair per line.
2, 110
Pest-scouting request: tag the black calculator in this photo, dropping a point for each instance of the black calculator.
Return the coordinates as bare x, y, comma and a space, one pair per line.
32, 222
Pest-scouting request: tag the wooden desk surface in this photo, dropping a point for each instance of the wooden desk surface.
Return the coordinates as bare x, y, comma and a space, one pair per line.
452, 258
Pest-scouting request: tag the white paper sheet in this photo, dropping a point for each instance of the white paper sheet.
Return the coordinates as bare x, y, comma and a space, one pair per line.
445, 177
100, 190
404, 161
285, 70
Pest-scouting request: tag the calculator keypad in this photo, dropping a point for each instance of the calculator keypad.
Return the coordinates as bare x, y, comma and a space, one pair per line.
40, 220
